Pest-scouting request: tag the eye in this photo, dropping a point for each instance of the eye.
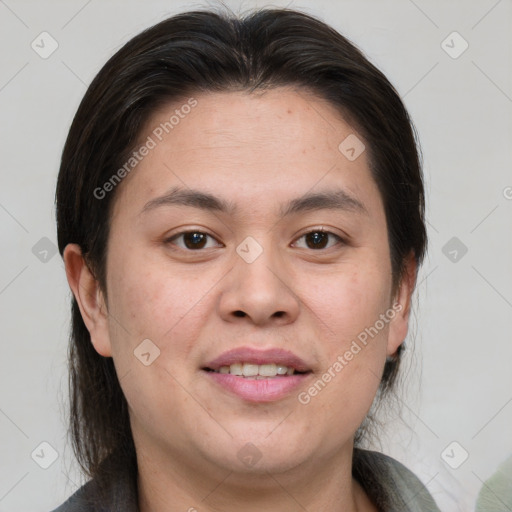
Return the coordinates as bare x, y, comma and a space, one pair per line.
319, 239
192, 240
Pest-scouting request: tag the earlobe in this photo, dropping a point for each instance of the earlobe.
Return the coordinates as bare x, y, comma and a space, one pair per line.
402, 305
90, 298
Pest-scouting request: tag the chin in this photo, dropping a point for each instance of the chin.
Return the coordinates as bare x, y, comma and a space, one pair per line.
261, 463
261, 453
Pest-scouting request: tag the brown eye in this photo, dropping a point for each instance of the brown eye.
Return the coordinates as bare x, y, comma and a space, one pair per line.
191, 240
319, 239
194, 240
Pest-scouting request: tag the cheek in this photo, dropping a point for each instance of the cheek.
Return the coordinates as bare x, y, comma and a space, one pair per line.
149, 300
353, 353
348, 301
349, 305
148, 303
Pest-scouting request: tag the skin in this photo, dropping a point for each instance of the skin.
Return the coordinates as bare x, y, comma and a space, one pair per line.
258, 151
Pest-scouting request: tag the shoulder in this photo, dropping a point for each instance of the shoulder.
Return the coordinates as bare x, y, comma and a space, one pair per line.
390, 484
496, 493
121, 494
83, 499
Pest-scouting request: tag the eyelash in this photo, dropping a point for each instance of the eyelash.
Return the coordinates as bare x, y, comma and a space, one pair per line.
171, 239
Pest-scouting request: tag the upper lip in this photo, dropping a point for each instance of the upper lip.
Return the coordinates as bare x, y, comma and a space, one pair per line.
258, 356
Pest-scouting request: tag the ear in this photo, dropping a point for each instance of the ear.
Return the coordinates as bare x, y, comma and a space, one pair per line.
89, 297
399, 324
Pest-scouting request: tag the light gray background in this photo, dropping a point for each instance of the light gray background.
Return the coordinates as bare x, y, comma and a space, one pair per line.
460, 378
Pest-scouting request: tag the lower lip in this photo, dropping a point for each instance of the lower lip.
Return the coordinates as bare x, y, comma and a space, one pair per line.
261, 390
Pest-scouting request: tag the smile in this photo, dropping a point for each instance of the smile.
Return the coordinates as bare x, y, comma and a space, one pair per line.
256, 371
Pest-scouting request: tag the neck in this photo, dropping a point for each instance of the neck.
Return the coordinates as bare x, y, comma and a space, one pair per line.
327, 484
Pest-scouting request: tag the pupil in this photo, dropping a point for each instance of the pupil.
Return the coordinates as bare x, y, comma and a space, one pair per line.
194, 240
318, 238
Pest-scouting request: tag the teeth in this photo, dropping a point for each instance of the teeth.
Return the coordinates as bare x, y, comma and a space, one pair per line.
268, 370
236, 369
256, 371
250, 370
281, 370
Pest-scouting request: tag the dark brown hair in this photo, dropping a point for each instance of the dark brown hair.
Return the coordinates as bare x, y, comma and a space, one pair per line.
215, 51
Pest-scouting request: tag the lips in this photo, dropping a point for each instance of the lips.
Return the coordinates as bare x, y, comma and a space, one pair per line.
258, 375
247, 355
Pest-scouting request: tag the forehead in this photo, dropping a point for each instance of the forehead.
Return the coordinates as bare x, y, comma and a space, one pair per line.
252, 121
241, 146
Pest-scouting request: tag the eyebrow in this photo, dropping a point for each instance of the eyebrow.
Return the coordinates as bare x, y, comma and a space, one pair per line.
337, 199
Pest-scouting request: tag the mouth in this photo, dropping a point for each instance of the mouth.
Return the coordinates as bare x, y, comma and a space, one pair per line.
256, 371
256, 375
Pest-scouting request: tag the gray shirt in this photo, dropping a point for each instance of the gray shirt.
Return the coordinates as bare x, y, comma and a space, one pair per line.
389, 484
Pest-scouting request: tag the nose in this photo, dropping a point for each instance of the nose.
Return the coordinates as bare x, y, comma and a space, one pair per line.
259, 292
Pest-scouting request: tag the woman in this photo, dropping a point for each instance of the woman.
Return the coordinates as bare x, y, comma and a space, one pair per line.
240, 211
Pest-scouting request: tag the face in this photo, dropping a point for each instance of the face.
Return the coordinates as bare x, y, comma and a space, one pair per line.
247, 241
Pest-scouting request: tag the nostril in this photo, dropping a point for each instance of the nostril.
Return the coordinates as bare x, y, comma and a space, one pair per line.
279, 314
239, 313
